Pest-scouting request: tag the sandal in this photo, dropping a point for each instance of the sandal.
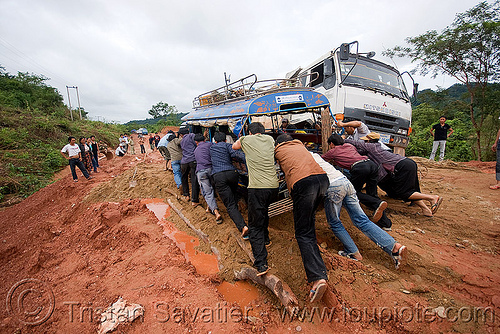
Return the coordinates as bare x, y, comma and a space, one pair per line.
318, 293
262, 271
244, 233
399, 256
347, 255
436, 205
377, 214
495, 187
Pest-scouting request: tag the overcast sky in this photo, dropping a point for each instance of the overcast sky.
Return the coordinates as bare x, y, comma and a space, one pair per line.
125, 56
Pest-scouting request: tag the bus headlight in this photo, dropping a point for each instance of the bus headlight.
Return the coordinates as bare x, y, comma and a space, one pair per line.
403, 132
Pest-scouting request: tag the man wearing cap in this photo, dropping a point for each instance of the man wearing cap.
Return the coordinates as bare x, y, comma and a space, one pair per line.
398, 175
284, 125
342, 193
363, 172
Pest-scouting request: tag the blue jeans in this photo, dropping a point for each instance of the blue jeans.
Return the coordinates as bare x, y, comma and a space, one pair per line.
176, 168
94, 164
342, 192
207, 190
435, 144
498, 162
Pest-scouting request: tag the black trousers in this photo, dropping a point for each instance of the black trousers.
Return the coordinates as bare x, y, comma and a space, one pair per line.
189, 170
226, 184
307, 194
258, 221
78, 163
403, 182
366, 172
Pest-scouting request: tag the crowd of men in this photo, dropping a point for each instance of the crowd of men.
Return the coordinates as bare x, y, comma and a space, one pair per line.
83, 155
337, 178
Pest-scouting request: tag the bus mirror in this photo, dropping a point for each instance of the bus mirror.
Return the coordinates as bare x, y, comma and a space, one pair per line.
328, 67
415, 90
344, 51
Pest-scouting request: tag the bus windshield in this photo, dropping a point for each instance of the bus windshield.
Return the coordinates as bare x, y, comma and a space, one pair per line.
371, 75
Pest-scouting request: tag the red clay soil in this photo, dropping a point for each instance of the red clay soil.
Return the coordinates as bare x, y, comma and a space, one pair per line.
91, 242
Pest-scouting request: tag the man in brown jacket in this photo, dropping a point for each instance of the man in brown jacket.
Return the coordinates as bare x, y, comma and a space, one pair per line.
307, 183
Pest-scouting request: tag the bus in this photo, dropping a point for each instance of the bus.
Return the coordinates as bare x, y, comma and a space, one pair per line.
361, 88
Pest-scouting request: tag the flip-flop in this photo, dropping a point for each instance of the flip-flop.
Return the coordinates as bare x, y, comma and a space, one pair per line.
399, 257
379, 211
318, 293
495, 187
435, 206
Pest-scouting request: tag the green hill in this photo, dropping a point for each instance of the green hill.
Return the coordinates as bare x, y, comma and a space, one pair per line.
34, 126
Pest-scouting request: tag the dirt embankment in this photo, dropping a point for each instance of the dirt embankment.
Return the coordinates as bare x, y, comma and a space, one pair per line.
91, 242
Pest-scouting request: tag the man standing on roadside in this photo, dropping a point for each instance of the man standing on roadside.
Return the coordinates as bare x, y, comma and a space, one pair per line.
262, 189
72, 153
151, 142
95, 150
440, 133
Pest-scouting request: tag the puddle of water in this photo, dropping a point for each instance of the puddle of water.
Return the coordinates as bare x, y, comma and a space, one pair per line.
242, 293
205, 264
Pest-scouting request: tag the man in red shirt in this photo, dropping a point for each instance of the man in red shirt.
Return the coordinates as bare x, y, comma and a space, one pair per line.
363, 172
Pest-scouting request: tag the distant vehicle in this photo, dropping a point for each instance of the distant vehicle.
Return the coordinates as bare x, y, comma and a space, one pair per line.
144, 131
361, 88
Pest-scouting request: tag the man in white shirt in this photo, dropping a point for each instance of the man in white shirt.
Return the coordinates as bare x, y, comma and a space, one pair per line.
120, 151
340, 193
354, 129
72, 153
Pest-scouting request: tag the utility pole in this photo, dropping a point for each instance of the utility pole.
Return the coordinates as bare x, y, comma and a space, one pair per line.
79, 107
69, 102
78, 98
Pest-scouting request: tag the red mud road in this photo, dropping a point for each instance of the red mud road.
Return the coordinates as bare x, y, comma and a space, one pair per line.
85, 244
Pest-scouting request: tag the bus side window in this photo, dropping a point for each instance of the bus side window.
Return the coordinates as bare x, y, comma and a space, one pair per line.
318, 80
329, 71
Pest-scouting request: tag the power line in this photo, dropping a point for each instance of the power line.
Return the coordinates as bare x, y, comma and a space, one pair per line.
19, 54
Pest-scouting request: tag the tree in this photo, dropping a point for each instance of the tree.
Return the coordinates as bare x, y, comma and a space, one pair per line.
28, 91
162, 109
468, 50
